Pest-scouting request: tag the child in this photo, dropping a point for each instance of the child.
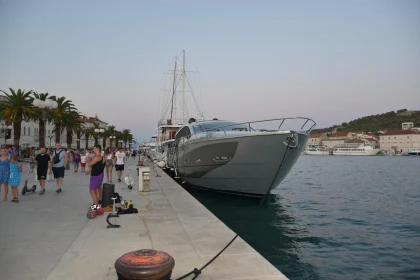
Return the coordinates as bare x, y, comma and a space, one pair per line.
76, 161
83, 161
14, 177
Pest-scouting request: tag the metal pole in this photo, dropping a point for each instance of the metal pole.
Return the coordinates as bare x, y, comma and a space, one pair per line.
183, 88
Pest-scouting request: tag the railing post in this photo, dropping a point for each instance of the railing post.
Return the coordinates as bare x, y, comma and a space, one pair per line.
281, 124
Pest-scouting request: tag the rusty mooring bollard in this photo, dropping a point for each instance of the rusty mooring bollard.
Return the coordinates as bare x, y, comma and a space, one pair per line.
144, 264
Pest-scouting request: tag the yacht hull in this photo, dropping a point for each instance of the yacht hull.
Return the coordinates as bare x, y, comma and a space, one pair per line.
249, 165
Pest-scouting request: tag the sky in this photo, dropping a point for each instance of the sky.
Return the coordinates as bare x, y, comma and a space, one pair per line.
332, 61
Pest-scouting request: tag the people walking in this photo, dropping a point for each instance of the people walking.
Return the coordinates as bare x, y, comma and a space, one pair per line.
60, 160
83, 161
13, 152
14, 177
109, 164
43, 166
76, 160
119, 160
96, 171
4, 172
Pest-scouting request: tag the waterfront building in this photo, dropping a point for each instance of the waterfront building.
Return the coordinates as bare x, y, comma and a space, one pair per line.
316, 139
30, 134
400, 141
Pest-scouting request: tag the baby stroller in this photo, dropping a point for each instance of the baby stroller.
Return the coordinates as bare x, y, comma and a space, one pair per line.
128, 179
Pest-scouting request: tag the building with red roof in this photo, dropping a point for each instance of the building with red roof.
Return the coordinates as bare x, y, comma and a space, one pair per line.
400, 141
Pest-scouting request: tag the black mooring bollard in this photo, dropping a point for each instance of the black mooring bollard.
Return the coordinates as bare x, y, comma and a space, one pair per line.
144, 264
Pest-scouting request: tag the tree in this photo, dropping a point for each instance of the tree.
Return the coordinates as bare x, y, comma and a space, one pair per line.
110, 131
71, 123
95, 134
127, 137
86, 132
41, 115
118, 138
16, 107
64, 107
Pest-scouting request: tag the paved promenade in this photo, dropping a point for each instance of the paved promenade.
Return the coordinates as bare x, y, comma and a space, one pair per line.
49, 236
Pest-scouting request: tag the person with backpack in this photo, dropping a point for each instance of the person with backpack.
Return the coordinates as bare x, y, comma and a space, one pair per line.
60, 160
76, 160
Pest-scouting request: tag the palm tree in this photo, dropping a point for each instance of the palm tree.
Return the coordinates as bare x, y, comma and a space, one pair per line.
86, 132
118, 137
17, 107
95, 134
72, 123
127, 137
41, 115
63, 108
79, 133
110, 131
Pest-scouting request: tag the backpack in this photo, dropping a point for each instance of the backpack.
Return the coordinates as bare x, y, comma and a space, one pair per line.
76, 158
57, 157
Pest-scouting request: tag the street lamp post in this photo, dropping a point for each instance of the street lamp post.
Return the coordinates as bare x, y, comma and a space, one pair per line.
5, 129
100, 131
112, 137
50, 136
78, 143
44, 105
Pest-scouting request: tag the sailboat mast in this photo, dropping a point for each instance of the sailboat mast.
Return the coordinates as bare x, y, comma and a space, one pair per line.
173, 90
183, 88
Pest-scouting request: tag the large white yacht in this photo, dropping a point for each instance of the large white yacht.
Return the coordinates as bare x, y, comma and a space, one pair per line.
151, 147
355, 150
236, 157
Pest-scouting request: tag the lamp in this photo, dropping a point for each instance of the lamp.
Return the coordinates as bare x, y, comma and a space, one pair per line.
5, 128
99, 131
112, 137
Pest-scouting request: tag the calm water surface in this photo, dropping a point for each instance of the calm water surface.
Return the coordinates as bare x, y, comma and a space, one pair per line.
334, 218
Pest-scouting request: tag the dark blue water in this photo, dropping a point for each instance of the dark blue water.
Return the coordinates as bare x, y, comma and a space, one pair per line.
334, 218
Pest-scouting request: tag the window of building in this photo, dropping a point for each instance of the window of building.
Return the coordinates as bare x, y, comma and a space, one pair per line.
29, 131
389, 138
24, 130
395, 138
408, 137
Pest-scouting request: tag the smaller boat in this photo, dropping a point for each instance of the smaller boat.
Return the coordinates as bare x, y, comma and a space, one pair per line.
152, 145
316, 150
413, 153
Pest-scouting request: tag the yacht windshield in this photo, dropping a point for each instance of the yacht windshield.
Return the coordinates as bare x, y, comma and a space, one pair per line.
218, 126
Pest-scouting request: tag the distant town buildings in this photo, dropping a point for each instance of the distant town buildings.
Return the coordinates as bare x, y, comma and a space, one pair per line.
396, 141
30, 134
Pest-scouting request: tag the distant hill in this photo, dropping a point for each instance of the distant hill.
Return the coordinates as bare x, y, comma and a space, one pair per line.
387, 121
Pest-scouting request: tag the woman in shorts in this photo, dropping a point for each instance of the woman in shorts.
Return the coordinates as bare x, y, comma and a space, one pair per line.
109, 156
96, 171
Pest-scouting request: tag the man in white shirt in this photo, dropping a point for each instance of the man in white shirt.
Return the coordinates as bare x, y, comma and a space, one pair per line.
119, 160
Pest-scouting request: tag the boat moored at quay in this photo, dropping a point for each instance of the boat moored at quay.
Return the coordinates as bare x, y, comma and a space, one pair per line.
237, 157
